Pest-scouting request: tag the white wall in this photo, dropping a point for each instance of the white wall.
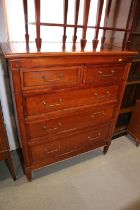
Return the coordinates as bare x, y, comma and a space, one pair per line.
3, 28
5, 96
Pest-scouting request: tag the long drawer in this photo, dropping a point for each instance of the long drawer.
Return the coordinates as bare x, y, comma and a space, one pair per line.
82, 119
101, 74
68, 144
43, 103
50, 77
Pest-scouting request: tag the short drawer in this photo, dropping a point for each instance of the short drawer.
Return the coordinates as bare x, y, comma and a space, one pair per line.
69, 143
99, 74
43, 103
50, 77
83, 119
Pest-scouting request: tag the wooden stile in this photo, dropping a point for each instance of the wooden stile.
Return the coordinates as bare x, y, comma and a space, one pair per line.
134, 11
85, 22
76, 21
128, 30
116, 11
37, 16
25, 7
107, 11
99, 15
65, 22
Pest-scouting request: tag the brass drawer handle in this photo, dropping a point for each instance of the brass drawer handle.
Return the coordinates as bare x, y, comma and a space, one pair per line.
94, 138
52, 151
97, 113
102, 96
106, 75
51, 129
120, 59
50, 105
44, 102
45, 78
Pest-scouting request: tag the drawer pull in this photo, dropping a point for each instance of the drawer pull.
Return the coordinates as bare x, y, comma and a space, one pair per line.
51, 129
102, 96
120, 59
106, 75
44, 102
45, 78
97, 113
94, 138
50, 105
52, 151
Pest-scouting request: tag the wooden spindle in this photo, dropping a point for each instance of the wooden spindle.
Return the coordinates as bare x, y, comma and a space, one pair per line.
99, 15
25, 7
37, 16
131, 21
116, 12
65, 22
76, 21
107, 11
85, 21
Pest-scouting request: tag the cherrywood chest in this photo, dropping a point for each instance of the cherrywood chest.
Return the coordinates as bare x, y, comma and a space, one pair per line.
67, 103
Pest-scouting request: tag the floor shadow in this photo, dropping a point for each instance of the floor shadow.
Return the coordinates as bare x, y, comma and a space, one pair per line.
132, 206
67, 163
131, 138
18, 166
50, 169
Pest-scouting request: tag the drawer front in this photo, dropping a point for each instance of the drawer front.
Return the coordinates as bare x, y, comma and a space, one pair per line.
44, 103
87, 58
50, 77
98, 74
69, 143
85, 118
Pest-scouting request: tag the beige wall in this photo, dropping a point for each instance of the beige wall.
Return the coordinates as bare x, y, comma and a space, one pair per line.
5, 96
3, 28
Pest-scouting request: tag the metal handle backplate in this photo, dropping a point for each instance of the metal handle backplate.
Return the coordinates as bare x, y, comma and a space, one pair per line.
94, 138
50, 105
101, 96
97, 113
52, 151
45, 78
101, 74
45, 127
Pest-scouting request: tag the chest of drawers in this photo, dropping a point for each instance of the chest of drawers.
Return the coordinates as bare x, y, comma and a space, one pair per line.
66, 103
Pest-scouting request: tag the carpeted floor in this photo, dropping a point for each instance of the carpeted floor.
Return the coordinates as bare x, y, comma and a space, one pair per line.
90, 181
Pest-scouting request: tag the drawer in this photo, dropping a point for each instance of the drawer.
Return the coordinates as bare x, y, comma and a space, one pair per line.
43, 103
99, 74
69, 143
50, 77
77, 58
83, 119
